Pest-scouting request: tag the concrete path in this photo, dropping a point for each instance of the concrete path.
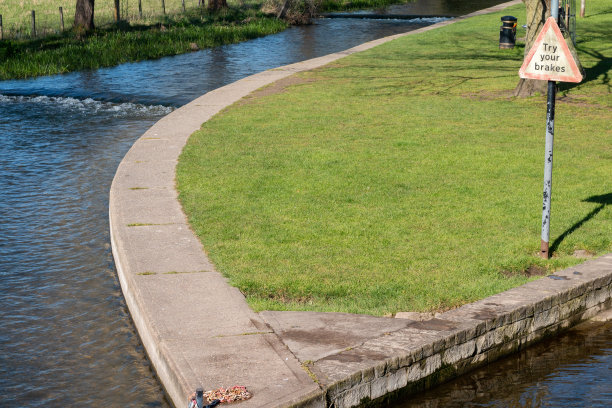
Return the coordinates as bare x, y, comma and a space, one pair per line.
199, 332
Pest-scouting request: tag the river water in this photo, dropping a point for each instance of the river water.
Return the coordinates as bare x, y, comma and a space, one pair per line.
66, 338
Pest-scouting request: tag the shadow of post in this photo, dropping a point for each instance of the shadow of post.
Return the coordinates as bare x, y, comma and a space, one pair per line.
603, 199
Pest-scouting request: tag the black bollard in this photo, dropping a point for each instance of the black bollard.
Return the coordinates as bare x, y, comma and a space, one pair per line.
507, 32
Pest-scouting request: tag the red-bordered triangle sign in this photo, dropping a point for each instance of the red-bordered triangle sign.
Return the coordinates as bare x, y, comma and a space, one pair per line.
550, 59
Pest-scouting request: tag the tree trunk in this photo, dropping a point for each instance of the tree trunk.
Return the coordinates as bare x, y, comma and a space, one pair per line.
84, 15
117, 11
215, 5
582, 6
283, 11
537, 13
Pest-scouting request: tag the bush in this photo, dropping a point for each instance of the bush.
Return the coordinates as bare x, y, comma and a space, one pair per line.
293, 11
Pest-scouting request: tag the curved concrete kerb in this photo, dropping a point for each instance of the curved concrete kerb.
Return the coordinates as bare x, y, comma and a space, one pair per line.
199, 332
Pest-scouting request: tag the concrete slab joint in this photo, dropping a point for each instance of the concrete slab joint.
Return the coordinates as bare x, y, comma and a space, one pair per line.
199, 332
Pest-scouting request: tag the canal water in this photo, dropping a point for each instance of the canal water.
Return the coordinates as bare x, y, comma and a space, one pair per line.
573, 370
66, 338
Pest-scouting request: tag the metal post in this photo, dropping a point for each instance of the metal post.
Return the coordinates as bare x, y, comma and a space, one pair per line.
548, 162
61, 19
548, 156
554, 9
33, 23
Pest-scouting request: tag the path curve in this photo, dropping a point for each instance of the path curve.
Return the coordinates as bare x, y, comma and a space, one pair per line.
198, 331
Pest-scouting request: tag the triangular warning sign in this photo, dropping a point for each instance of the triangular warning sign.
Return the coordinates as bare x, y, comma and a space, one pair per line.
550, 59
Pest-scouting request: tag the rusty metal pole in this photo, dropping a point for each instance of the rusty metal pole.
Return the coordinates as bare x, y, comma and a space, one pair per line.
548, 155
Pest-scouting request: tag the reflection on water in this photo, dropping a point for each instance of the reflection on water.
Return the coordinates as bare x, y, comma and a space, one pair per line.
573, 370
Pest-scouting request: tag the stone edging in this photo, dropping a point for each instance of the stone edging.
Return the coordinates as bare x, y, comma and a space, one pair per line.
429, 352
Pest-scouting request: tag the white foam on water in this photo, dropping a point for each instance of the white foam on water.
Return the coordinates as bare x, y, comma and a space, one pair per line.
90, 105
430, 19
419, 20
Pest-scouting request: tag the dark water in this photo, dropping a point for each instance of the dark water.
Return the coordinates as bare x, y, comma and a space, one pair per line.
573, 370
65, 334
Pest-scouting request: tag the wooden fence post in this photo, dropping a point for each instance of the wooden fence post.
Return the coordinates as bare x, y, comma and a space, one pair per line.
140, 8
33, 34
164, 6
61, 10
183, 6
1, 31
117, 10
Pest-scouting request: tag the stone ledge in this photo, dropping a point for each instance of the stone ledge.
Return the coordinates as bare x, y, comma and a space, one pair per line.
485, 331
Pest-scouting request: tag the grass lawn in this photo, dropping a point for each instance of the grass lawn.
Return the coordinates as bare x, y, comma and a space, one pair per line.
404, 178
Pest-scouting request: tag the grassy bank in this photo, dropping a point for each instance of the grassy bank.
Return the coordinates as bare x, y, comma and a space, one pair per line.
124, 42
405, 177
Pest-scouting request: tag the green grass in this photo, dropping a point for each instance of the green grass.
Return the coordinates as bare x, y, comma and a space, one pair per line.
125, 42
404, 178
16, 14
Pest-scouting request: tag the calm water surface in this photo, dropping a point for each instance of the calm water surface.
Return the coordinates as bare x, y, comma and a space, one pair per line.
65, 334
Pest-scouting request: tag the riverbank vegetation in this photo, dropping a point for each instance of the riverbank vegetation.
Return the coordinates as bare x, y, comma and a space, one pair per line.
406, 177
146, 32
126, 42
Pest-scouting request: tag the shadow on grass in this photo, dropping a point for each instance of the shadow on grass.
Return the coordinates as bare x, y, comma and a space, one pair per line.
603, 64
603, 200
602, 67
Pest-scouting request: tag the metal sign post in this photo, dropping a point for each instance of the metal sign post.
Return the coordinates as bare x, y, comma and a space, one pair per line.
548, 148
548, 162
550, 59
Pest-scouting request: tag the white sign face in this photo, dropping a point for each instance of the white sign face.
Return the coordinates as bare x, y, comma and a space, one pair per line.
550, 59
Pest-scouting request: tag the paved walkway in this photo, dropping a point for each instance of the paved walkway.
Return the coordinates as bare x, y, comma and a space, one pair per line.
199, 332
